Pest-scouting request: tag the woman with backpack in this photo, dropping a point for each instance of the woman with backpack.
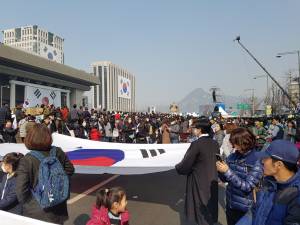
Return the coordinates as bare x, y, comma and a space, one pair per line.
51, 207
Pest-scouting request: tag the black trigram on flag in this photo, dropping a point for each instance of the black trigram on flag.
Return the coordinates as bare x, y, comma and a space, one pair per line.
53, 95
153, 152
37, 93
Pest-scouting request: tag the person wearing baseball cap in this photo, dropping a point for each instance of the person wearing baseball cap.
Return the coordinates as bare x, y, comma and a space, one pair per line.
278, 202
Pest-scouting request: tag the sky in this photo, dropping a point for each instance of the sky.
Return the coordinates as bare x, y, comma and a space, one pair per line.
171, 46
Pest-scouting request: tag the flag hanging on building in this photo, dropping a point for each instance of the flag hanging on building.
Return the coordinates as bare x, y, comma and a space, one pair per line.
124, 87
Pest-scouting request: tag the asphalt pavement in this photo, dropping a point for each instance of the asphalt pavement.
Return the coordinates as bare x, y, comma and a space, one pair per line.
153, 199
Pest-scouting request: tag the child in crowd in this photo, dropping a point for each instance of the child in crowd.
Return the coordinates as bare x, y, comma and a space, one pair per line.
8, 200
110, 208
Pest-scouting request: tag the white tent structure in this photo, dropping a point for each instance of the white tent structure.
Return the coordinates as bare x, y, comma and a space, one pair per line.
223, 112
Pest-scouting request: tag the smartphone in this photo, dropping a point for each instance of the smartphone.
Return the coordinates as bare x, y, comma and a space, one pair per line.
219, 158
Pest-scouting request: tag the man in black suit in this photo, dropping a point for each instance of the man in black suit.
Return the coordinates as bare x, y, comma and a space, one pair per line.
198, 164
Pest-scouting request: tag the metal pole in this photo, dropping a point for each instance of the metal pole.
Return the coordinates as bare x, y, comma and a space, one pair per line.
264, 69
298, 52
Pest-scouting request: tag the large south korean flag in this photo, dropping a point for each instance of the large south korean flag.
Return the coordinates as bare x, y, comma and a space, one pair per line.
50, 52
124, 87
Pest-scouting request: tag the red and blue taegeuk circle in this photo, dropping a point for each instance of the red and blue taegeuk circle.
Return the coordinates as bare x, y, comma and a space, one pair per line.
96, 157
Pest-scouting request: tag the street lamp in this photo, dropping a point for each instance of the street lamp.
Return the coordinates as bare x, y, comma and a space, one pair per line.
252, 89
279, 55
1, 87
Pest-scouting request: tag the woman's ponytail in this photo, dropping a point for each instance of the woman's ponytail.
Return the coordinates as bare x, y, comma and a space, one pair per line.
101, 198
106, 197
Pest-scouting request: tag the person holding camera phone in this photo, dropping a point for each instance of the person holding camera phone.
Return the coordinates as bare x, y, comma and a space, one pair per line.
243, 172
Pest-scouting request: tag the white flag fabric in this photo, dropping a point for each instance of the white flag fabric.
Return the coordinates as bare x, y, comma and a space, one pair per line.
94, 157
13, 219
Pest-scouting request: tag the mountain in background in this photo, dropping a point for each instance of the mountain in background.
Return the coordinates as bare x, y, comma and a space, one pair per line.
199, 101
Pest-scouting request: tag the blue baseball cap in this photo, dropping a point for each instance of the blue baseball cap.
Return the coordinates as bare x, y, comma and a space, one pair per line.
282, 150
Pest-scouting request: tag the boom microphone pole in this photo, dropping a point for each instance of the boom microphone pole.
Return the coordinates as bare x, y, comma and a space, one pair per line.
238, 39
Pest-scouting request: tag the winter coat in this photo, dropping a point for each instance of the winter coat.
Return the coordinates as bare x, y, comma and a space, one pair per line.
261, 133
64, 113
8, 196
199, 164
95, 134
9, 135
100, 217
277, 203
27, 179
244, 174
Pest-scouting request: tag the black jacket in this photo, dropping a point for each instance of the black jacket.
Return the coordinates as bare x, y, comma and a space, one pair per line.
9, 201
27, 179
9, 135
199, 164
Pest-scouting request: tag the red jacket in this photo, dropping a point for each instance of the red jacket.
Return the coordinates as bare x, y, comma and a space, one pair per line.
64, 113
100, 217
95, 134
117, 116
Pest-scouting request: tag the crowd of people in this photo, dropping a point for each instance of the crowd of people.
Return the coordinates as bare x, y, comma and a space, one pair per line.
150, 128
256, 159
258, 166
97, 125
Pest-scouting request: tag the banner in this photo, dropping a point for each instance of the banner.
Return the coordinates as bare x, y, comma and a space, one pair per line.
38, 95
94, 157
124, 87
